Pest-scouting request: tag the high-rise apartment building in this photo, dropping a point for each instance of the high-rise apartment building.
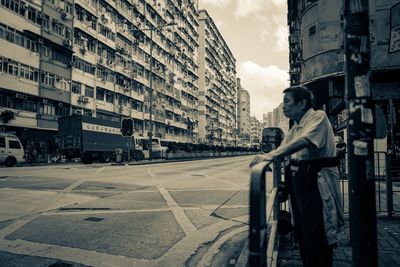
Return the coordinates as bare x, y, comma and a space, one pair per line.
279, 118
217, 85
109, 59
255, 131
267, 120
244, 117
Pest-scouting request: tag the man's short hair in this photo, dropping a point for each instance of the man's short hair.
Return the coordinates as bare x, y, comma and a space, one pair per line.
299, 93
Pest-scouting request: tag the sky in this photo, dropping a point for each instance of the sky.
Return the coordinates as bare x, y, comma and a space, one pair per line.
257, 34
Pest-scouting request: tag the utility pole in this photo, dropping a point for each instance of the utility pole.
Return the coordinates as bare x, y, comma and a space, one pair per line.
361, 131
151, 96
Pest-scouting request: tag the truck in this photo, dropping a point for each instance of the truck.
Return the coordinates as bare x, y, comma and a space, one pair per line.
91, 138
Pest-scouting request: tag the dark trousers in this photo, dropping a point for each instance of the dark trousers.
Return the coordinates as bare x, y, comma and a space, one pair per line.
308, 217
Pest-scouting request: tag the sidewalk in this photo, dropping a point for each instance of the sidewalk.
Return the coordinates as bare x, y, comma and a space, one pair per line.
388, 246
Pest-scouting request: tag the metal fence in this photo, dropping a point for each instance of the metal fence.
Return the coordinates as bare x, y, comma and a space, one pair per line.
384, 185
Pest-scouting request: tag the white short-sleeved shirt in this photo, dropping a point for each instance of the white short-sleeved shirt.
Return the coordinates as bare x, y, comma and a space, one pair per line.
315, 126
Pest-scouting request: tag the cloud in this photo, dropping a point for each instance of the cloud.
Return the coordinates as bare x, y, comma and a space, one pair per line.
281, 35
216, 3
249, 7
265, 85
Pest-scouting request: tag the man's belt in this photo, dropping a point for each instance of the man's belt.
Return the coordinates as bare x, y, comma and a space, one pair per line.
316, 164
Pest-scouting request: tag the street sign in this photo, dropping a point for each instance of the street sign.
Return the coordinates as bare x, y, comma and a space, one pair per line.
127, 127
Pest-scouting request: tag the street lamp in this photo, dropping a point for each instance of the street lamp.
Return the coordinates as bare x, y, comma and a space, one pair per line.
151, 82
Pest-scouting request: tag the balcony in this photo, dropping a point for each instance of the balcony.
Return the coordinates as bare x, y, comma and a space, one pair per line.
12, 83
137, 114
138, 96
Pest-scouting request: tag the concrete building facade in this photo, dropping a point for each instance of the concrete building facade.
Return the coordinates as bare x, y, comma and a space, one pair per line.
255, 132
244, 117
217, 86
279, 119
267, 120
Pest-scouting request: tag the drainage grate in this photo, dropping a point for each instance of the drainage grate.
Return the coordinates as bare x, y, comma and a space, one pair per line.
93, 219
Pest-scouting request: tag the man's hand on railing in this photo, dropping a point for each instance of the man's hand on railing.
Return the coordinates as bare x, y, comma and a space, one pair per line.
260, 158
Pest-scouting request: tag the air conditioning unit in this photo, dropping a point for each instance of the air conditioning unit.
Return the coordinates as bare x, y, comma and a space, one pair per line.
18, 95
80, 98
25, 97
85, 100
67, 43
83, 50
105, 18
24, 6
40, 41
44, 101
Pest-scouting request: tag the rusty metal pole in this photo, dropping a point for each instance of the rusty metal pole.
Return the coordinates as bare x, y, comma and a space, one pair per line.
360, 125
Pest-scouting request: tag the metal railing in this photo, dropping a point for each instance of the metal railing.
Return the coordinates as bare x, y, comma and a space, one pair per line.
263, 234
384, 189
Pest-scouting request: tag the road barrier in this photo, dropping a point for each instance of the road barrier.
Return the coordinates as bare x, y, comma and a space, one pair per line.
264, 215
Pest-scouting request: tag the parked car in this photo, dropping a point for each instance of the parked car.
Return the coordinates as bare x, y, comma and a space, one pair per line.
11, 150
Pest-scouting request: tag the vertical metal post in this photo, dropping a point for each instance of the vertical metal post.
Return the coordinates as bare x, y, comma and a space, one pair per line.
389, 186
360, 125
128, 144
275, 181
391, 122
151, 97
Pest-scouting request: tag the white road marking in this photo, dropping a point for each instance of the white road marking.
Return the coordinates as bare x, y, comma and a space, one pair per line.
178, 212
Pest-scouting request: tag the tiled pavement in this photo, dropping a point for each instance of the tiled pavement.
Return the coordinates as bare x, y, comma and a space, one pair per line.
388, 246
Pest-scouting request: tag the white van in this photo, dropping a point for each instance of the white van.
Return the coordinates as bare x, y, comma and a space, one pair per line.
11, 150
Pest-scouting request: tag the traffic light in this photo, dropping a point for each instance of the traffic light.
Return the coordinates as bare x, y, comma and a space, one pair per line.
127, 127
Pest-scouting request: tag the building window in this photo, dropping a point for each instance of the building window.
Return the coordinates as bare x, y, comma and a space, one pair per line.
89, 91
57, 27
110, 97
63, 85
100, 94
32, 14
48, 79
76, 88
29, 106
47, 109
45, 51
60, 56
45, 22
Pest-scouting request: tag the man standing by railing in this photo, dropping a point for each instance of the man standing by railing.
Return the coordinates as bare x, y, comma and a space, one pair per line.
313, 178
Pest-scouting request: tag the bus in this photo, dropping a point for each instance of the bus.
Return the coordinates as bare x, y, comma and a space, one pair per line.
271, 138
